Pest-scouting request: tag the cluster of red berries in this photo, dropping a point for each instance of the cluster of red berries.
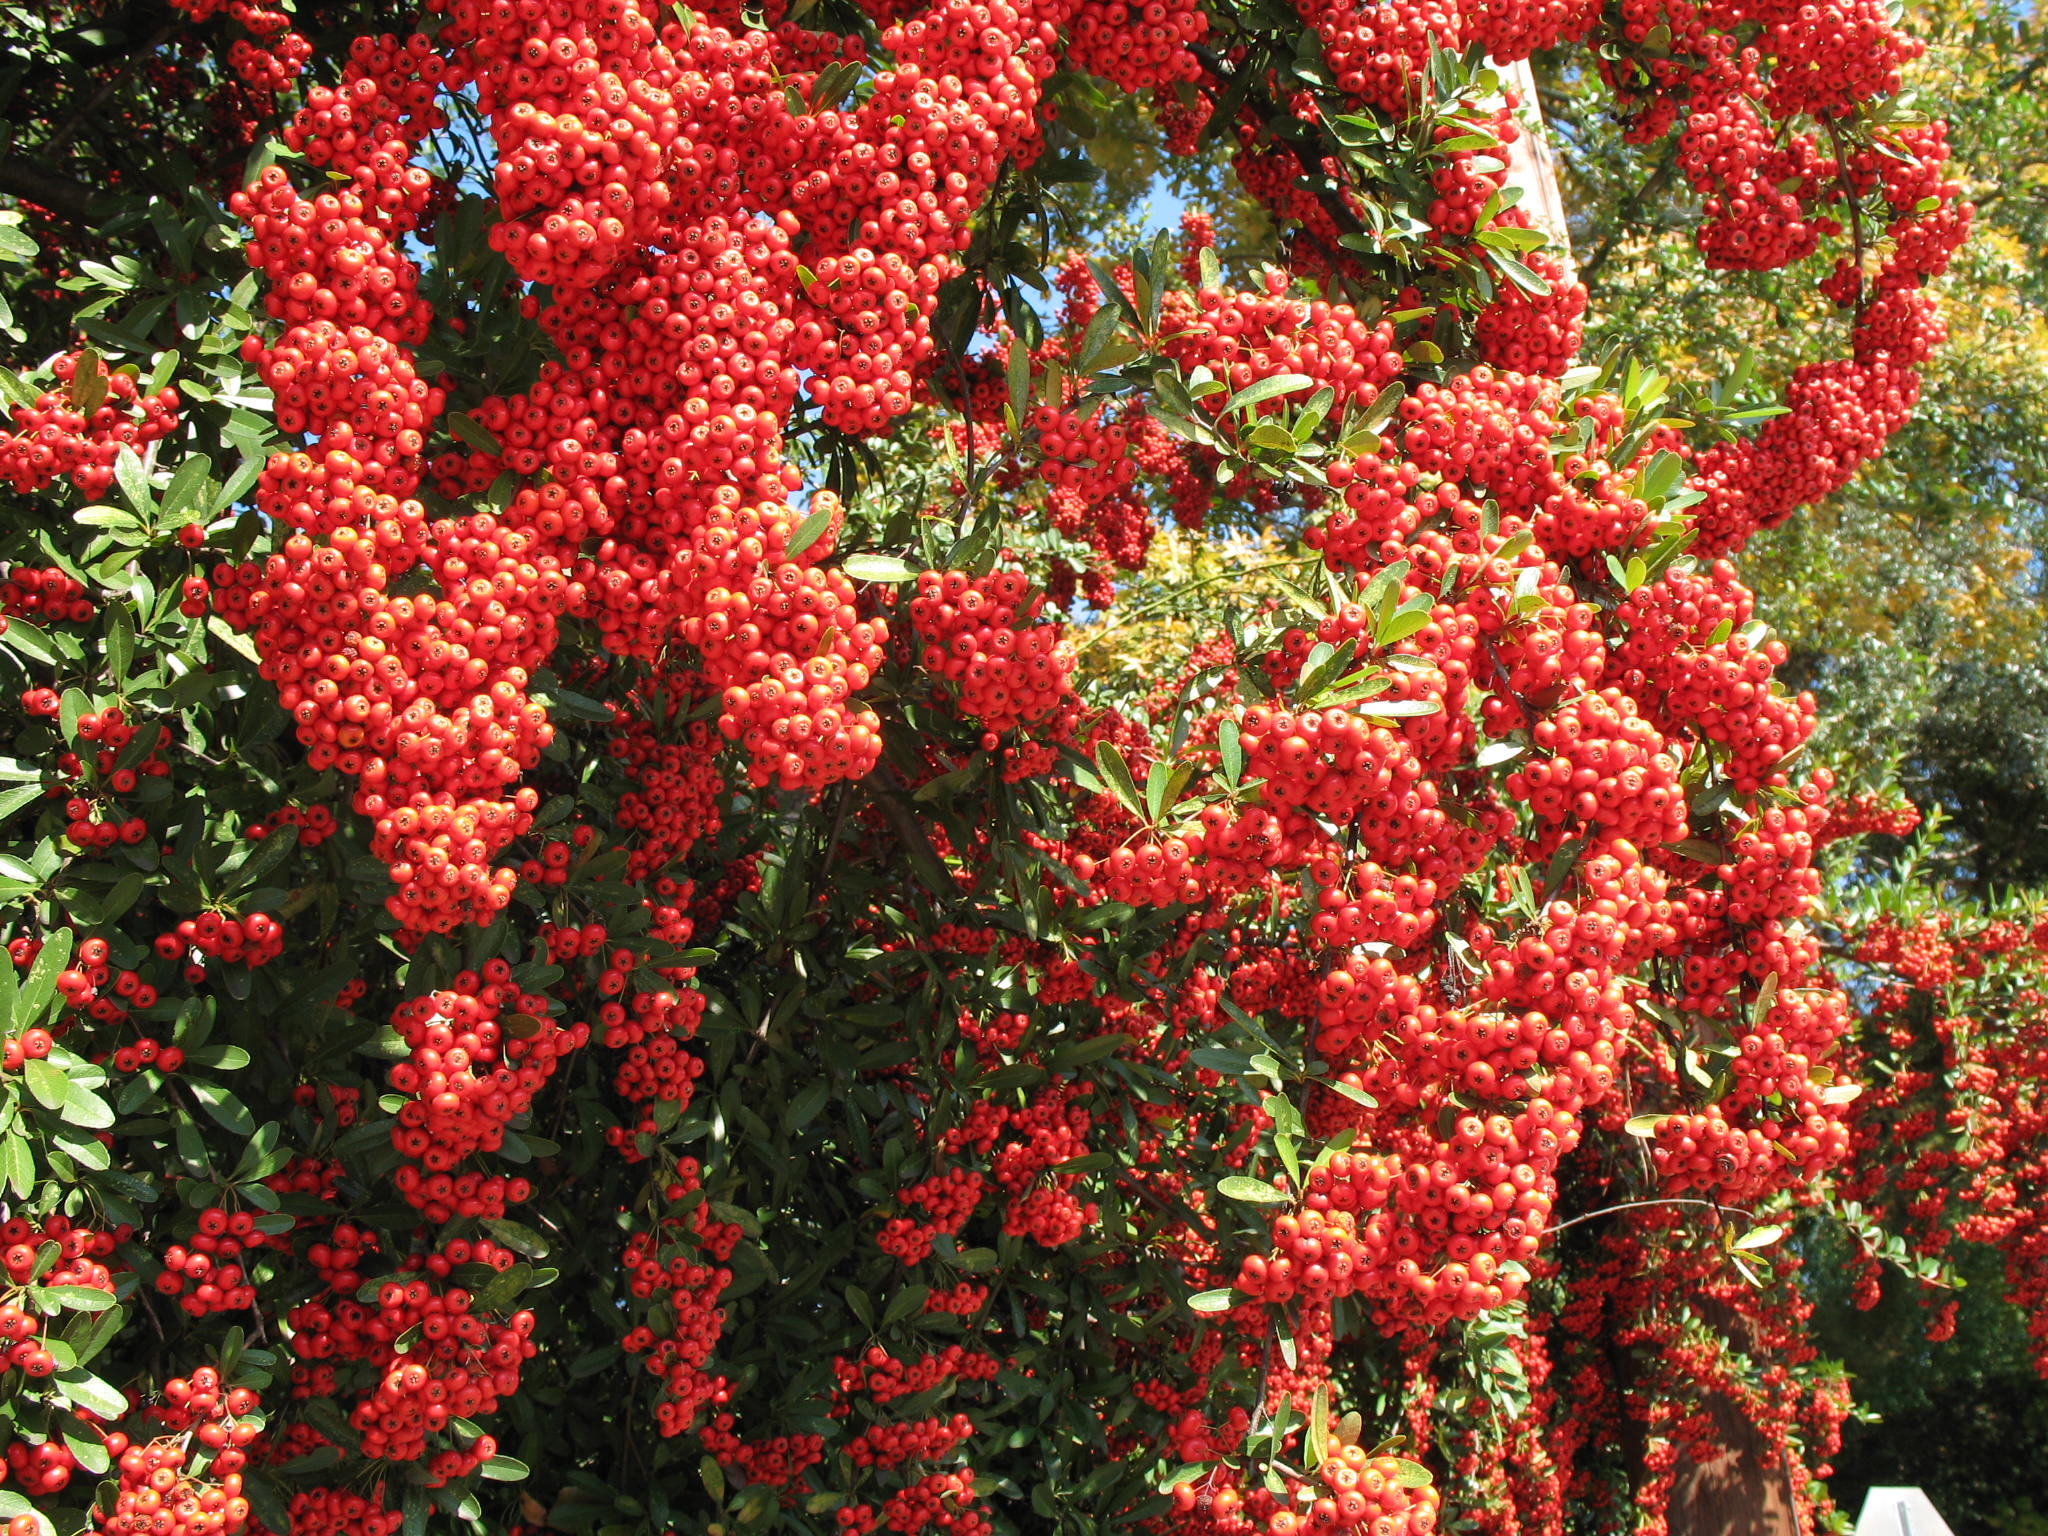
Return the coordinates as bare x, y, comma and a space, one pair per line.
778, 1461
948, 1200
82, 987
890, 1445
37, 1469
343, 1512
648, 497
690, 1282
678, 787
158, 1495
316, 824
437, 1358
209, 1262
45, 594
79, 1260
883, 1378
81, 429
93, 821
480, 1050
983, 637
146, 1051
32, 1044
254, 940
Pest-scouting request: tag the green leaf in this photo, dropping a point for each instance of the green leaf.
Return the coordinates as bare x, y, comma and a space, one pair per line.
807, 1104
1316, 1444
1698, 848
79, 1298
133, 480
14, 799
1253, 1191
15, 242
1766, 999
1395, 709
86, 1109
88, 384
1412, 616
1211, 1301
1259, 391
227, 1110
186, 494
1759, 1237
880, 568
498, 1293
20, 1164
504, 1469
87, 1391
1644, 1125
1116, 773
120, 644
30, 640
259, 859
46, 1080
1322, 666
1095, 340
474, 434
1411, 1474
808, 532
907, 1302
517, 1236
109, 517
225, 1058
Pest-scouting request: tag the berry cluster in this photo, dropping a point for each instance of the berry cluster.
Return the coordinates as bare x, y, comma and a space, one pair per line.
480, 1050
80, 430
79, 1260
209, 1261
44, 594
982, 636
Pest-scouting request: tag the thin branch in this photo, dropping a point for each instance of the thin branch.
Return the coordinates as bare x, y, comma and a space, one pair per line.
1855, 208
114, 81
1630, 1205
1629, 215
68, 199
1309, 155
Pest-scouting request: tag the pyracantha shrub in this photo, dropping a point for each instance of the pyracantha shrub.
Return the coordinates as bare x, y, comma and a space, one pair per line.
570, 911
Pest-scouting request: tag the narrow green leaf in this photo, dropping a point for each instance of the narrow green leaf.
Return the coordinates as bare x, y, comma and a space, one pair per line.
1230, 746
46, 1080
1259, 391
1253, 1191
880, 568
224, 1107
1116, 773
809, 531
87, 1391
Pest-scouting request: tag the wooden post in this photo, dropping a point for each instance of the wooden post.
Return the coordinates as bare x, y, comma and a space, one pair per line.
1531, 168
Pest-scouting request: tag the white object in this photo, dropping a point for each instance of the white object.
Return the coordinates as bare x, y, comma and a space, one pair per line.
1530, 166
1899, 1512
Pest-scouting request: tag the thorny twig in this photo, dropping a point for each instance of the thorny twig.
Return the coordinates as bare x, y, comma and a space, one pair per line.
1855, 208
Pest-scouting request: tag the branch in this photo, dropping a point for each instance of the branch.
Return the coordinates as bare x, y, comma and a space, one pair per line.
1309, 151
68, 199
1630, 212
1631, 1205
1855, 211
